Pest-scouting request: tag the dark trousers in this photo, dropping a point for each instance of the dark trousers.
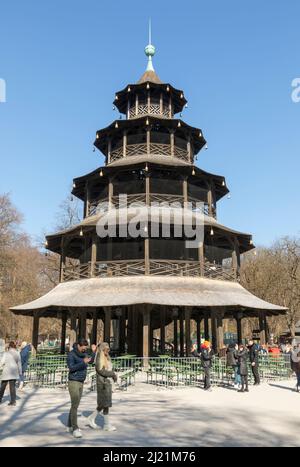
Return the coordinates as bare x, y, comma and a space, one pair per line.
255, 373
12, 390
244, 379
75, 391
206, 378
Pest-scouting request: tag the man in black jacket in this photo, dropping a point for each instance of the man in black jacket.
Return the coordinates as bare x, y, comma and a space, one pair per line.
206, 355
253, 354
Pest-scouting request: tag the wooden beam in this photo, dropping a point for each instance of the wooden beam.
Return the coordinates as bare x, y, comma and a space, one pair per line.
198, 332
82, 326
64, 319
95, 327
181, 333
187, 318
146, 332
239, 329
73, 334
35, 332
162, 328
206, 326
107, 324
175, 336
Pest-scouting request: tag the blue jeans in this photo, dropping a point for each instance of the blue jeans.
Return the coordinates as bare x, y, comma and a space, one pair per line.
237, 376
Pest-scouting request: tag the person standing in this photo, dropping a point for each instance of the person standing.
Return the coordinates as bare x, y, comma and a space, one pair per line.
254, 360
12, 370
25, 354
206, 361
104, 373
77, 361
232, 361
242, 356
295, 362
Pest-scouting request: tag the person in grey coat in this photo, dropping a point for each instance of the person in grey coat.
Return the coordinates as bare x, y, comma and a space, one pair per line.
104, 373
12, 370
242, 356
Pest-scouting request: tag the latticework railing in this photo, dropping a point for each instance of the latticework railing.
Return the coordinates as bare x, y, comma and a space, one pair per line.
136, 199
153, 109
156, 149
153, 267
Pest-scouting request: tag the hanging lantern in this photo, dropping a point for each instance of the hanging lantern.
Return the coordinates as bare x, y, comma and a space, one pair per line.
200, 134
168, 88
117, 97
251, 242
211, 231
223, 183
179, 124
148, 86
97, 136
116, 125
193, 171
46, 243
81, 233
146, 168
181, 96
147, 121
206, 146
128, 89
101, 173
74, 185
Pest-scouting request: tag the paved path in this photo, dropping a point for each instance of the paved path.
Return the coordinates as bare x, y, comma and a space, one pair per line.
147, 416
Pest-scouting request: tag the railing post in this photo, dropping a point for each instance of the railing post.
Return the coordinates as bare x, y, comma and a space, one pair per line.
201, 258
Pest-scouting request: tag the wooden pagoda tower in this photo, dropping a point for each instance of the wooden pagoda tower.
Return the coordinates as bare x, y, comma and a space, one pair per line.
142, 284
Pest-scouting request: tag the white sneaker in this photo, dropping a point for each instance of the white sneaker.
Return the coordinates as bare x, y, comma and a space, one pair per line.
77, 433
107, 426
92, 421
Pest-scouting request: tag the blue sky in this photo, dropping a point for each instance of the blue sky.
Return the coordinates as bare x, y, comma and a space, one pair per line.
63, 61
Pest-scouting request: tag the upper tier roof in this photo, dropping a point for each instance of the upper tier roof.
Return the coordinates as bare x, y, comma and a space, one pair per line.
151, 77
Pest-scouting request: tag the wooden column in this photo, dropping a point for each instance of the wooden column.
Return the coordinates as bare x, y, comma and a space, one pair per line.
239, 328
170, 107
189, 148
95, 327
122, 334
35, 332
161, 103
198, 323
162, 328
124, 143
148, 136
262, 329
214, 331
62, 260
210, 201
175, 336
108, 151
147, 183
172, 140
220, 331
146, 332
107, 324
201, 258
64, 319
73, 334
82, 325
136, 104
110, 192
87, 199
187, 317
185, 190
93, 255
148, 101
181, 333
206, 326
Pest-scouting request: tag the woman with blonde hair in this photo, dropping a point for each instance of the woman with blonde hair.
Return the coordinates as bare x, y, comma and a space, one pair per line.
104, 373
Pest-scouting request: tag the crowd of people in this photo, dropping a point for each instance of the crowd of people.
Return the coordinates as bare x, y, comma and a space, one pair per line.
14, 363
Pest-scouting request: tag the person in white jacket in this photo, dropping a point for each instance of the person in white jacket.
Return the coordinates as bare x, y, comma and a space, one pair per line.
11, 372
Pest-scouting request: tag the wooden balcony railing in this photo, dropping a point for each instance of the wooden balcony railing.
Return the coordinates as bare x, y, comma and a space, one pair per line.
155, 149
140, 198
153, 109
152, 268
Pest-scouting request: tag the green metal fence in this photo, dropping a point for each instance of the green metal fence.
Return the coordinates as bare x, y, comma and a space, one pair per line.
50, 371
